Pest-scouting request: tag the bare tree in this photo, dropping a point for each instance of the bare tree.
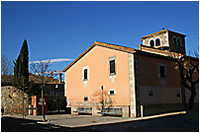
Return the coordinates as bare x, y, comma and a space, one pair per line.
188, 67
102, 99
43, 75
6, 66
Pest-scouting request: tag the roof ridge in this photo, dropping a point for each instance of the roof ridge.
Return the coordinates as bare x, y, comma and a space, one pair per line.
113, 44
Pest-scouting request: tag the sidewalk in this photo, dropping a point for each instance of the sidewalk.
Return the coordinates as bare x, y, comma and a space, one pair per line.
67, 120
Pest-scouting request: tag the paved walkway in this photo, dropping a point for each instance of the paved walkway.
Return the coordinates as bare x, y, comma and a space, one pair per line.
67, 120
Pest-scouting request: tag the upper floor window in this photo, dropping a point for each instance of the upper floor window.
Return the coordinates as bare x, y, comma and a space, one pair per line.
157, 42
152, 43
174, 41
162, 71
112, 66
85, 73
179, 42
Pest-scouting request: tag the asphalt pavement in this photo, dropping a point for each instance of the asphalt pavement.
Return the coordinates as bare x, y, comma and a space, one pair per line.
175, 122
11, 124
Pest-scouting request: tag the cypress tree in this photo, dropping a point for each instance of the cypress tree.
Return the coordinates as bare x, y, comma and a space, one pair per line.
21, 70
24, 63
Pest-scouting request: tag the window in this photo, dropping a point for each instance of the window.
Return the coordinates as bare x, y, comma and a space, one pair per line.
85, 98
112, 92
157, 42
150, 93
162, 71
179, 43
152, 43
178, 94
85, 74
174, 41
112, 67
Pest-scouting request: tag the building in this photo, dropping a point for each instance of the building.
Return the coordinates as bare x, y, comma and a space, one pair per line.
130, 82
53, 91
52, 87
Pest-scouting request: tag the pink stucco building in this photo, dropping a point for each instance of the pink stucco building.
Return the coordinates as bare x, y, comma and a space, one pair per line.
111, 79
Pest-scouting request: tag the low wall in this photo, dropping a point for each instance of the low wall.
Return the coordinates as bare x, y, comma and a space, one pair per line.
12, 99
96, 110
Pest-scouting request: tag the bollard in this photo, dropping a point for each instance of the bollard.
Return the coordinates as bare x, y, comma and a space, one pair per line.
141, 110
29, 110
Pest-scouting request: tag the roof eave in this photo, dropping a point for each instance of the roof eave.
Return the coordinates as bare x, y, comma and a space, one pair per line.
80, 56
102, 44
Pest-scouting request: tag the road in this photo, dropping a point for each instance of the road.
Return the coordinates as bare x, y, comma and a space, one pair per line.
177, 123
9, 124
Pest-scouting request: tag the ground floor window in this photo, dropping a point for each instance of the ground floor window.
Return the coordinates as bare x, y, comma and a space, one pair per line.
85, 98
112, 92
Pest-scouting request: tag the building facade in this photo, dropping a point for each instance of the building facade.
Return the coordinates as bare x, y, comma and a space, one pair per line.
112, 79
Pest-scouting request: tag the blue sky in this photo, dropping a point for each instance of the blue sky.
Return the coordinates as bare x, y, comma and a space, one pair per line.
65, 29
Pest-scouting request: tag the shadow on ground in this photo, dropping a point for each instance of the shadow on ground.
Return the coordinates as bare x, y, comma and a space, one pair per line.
178, 123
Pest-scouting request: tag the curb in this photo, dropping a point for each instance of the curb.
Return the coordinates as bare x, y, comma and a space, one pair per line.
111, 122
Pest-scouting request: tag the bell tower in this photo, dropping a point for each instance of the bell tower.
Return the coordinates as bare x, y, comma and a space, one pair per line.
165, 40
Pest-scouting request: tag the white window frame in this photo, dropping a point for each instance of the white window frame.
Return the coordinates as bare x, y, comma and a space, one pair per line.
112, 90
111, 59
88, 76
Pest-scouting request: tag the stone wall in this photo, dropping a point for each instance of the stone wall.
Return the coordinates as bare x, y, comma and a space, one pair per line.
162, 36
11, 100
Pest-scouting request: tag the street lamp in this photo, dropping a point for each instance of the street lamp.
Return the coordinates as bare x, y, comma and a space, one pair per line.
57, 90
